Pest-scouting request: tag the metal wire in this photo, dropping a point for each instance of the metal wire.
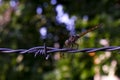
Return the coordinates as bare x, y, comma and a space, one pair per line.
44, 50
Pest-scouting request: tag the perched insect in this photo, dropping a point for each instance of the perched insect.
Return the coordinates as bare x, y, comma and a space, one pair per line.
72, 39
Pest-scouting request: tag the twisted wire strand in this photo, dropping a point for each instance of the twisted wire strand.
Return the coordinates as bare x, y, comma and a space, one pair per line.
44, 50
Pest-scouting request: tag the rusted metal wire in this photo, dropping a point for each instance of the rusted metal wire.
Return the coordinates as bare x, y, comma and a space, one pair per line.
44, 50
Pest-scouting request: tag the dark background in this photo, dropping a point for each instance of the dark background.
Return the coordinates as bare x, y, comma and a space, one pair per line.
19, 29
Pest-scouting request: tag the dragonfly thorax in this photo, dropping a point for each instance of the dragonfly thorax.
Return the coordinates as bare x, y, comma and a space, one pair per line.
71, 40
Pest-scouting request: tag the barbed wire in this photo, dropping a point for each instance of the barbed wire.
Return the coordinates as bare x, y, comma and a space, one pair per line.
44, 50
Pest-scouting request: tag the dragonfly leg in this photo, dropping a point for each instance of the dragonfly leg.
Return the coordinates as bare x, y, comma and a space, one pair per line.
75, 46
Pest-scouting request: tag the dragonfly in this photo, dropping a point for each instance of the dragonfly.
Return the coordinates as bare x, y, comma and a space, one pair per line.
71, 41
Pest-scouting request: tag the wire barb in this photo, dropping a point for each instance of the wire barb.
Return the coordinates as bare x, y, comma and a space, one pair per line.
44, 50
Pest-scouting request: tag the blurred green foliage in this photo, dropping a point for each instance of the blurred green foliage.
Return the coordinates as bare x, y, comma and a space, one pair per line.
22, 31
